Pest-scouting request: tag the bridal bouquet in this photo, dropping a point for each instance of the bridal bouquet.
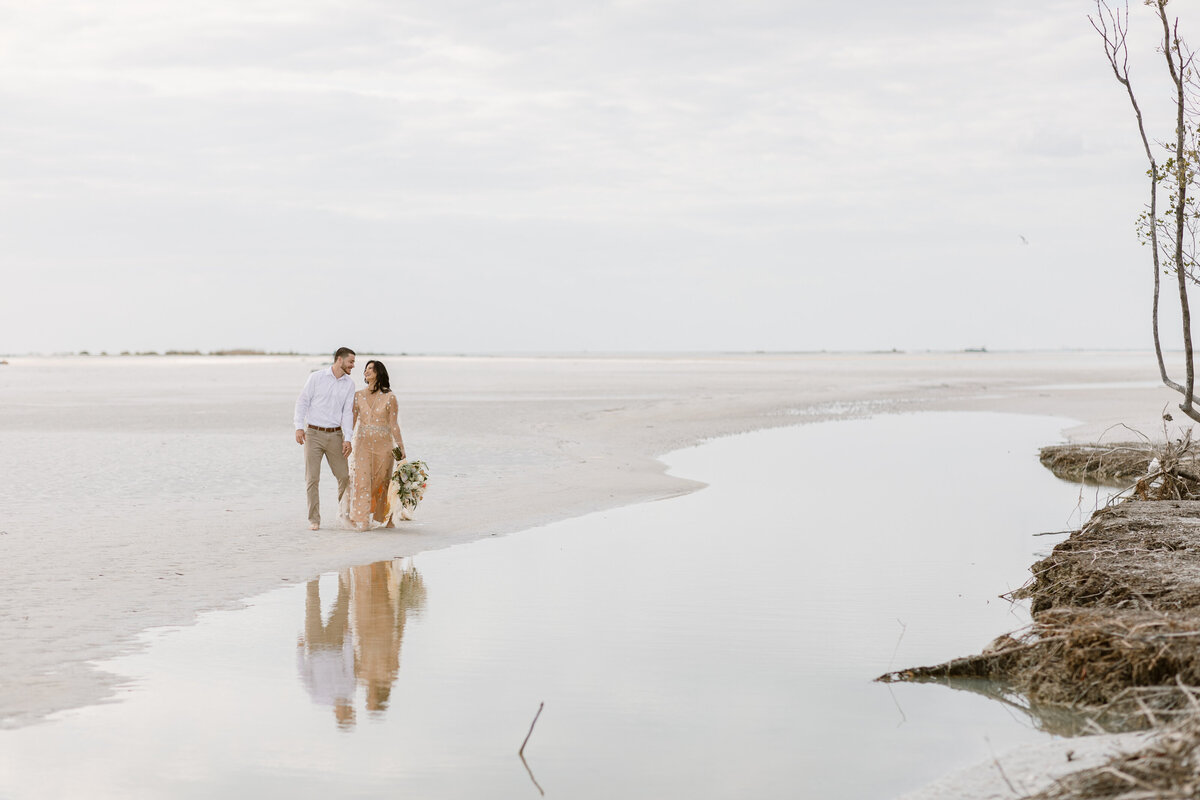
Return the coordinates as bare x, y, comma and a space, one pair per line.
408, 486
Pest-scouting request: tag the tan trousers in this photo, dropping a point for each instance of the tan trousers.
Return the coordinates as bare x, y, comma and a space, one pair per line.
329, 445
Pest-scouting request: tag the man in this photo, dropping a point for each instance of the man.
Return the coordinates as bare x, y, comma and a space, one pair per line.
324, 424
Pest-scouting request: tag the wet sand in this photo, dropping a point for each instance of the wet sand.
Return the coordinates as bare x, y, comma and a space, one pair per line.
139, 491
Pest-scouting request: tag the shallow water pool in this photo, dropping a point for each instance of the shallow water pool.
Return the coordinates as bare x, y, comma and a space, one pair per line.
716, 645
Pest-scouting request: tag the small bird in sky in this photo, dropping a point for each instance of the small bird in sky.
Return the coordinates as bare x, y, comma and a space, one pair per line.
1023, 239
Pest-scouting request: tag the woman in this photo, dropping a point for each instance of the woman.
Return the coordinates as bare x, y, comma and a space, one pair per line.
376, 432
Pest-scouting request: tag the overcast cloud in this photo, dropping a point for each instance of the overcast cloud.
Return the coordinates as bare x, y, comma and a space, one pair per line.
485, 175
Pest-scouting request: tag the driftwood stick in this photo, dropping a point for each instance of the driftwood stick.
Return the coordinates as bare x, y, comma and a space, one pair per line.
1000, 769
903, 630
521, 752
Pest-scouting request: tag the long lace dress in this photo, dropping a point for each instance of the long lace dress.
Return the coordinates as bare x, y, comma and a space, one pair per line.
376, 425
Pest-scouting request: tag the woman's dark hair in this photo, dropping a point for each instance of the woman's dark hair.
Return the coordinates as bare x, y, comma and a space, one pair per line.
382, 382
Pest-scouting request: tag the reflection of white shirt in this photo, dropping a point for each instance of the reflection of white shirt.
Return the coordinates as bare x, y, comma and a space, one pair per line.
326, 401
328, 674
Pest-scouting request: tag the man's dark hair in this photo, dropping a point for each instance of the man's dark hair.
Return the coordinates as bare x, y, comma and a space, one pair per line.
343, 351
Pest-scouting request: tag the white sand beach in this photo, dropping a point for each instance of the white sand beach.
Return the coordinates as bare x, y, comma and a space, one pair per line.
137, 492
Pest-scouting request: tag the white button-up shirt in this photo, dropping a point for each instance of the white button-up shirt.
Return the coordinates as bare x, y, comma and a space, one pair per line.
327, 402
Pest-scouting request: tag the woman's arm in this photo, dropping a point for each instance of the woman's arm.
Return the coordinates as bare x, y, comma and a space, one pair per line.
394, 418
355, 421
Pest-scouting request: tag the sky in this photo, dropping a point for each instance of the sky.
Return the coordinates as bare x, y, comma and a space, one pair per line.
554, 175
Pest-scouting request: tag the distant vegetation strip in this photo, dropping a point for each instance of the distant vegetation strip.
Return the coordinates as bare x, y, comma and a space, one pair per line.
237, 352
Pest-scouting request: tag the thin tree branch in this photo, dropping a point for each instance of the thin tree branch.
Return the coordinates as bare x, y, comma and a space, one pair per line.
1117, 52
1172, 50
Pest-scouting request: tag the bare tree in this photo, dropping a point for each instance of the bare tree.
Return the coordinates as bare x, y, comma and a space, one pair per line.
1172, 237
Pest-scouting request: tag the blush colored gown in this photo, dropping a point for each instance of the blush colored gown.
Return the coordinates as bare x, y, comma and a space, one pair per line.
376, 432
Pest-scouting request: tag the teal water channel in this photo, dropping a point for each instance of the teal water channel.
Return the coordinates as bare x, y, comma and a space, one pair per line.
716, 645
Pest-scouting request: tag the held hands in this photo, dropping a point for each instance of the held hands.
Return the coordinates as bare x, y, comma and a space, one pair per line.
345, 448
299, 436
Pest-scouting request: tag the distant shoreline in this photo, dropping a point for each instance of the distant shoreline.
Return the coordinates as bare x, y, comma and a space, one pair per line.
968, 351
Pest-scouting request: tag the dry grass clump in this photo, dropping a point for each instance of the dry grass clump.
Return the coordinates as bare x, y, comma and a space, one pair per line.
1131, 555
1117, 464
1174, 474
1143, 554
1087, 658
1125, 666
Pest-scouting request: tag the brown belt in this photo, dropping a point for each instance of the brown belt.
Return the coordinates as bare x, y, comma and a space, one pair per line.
327, 430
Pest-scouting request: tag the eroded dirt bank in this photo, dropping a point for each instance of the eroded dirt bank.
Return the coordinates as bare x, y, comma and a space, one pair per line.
1115, 636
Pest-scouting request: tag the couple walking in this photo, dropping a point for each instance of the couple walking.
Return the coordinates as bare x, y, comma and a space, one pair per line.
327, 411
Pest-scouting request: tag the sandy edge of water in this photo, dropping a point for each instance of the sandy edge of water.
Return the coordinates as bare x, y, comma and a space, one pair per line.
586, 457
1028, 769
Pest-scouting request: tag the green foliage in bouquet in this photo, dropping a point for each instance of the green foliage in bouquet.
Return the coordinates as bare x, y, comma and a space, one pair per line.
410, 477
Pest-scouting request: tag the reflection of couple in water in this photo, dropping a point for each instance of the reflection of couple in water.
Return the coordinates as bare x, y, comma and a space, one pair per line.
359, 643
